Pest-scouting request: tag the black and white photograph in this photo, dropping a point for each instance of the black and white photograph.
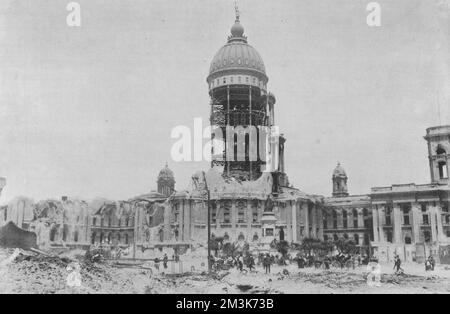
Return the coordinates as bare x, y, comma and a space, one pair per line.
226, 149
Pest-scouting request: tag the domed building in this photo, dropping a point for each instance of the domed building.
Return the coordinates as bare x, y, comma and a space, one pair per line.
251, 200
237, 84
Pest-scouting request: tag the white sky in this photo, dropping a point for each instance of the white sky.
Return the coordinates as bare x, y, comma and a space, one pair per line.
88, 111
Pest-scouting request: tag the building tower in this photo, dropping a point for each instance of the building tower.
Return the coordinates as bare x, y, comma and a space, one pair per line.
438, 139
241, 108
166, 181
339, 182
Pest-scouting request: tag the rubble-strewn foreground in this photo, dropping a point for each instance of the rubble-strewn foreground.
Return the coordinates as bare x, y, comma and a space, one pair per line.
28, 272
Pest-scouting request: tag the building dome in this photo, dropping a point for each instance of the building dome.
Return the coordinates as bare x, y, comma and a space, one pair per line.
339, 171
166, 174
237, 56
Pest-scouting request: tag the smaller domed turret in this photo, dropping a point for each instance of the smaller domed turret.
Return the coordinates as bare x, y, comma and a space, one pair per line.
166, 181
339, 182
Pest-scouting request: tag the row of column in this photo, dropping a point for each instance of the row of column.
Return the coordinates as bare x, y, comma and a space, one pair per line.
435, 223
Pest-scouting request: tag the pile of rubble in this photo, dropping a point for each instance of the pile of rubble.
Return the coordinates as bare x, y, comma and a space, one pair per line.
35, 273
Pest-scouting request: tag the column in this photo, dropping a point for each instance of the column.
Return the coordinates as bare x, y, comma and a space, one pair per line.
416, 213
381, 212
433, 221
289, 221
294, 221
397, 224
314, 223
375, 219
319, 222
184, 233
360, 218
340, 218
306, 219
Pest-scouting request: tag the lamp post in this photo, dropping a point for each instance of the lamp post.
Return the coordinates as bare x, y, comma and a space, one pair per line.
208, 221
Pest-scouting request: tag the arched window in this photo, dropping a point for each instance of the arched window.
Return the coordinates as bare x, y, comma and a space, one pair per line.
440, 150
75, 236
93, 236
94, 221
101, 238
109, 238
241, 237
126, 239
65, 233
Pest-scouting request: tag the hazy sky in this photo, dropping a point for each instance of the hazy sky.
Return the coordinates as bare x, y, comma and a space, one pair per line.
88, 111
